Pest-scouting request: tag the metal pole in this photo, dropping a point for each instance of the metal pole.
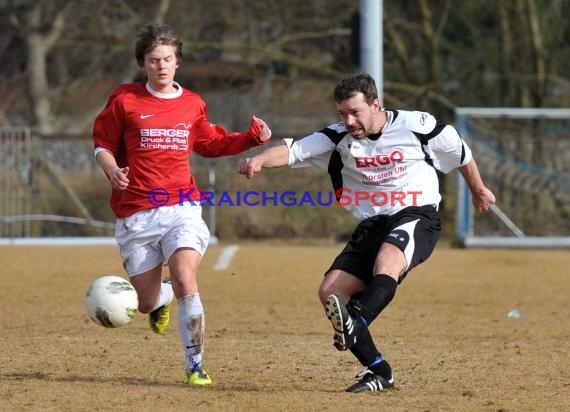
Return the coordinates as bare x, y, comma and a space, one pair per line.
371, 41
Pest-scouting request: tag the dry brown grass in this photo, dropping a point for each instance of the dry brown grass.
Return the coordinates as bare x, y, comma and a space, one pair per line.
447, 336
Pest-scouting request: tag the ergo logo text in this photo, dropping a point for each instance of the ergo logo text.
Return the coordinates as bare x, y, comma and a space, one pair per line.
380, 159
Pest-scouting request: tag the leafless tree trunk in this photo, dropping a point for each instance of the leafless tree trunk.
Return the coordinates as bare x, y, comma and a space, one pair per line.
524, 91
432, 37
39, 43
538, 54
400, 49
42, 34
506, 86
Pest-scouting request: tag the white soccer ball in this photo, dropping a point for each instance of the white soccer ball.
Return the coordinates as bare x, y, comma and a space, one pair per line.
111, 301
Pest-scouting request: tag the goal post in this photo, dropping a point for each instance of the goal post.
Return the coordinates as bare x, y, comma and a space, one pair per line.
524, 156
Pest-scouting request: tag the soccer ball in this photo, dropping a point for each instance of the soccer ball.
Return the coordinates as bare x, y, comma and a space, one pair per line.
111, 301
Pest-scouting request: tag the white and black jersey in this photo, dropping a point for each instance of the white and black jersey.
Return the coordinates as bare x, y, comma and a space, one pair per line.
386, 172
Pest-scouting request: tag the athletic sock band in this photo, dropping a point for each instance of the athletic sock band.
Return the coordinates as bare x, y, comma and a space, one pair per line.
379, 358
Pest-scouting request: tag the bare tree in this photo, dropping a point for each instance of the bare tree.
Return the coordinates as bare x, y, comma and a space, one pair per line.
45, 25
42, 25
68, 56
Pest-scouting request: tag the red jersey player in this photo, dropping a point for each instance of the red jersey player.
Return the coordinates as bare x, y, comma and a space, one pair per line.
143, 139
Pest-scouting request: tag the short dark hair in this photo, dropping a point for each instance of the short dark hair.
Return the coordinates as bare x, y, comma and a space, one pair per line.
153, 35
359, 82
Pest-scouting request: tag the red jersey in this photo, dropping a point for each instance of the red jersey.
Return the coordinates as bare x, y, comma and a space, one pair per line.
154, 134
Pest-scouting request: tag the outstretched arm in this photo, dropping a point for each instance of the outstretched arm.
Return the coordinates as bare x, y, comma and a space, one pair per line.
215, 141
273, 157
481, 196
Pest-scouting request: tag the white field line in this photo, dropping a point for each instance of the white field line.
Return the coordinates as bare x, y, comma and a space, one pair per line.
226, 257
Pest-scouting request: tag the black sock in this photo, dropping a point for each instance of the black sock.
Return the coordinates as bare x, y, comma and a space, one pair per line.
364, 348
365, 351
377, 295
383, 369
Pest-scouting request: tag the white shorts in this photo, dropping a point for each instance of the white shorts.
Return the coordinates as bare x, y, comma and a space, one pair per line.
150, 237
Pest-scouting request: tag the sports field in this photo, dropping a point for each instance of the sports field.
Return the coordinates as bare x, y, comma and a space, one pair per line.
269, 346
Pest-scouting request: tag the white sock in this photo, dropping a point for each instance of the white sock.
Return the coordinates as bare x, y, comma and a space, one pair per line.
166, 294
192, 324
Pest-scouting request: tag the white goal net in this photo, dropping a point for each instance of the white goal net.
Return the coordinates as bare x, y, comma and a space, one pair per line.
524, 157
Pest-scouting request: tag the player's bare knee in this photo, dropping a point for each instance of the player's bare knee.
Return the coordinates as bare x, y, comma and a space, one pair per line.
323, 294
325, 290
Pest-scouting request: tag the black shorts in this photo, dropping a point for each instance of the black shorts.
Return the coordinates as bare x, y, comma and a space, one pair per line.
415, 230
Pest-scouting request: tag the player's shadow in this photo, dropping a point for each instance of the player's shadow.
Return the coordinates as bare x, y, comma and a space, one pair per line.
42, 376
221, 387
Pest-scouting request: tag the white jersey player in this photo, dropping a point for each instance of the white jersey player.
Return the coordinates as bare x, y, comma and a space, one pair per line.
382, 164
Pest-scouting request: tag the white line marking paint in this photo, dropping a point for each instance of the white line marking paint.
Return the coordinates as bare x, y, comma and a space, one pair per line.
226, 257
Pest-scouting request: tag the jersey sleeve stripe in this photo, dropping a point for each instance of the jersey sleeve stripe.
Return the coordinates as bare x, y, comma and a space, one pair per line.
334, 169
425, 137
333, 135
